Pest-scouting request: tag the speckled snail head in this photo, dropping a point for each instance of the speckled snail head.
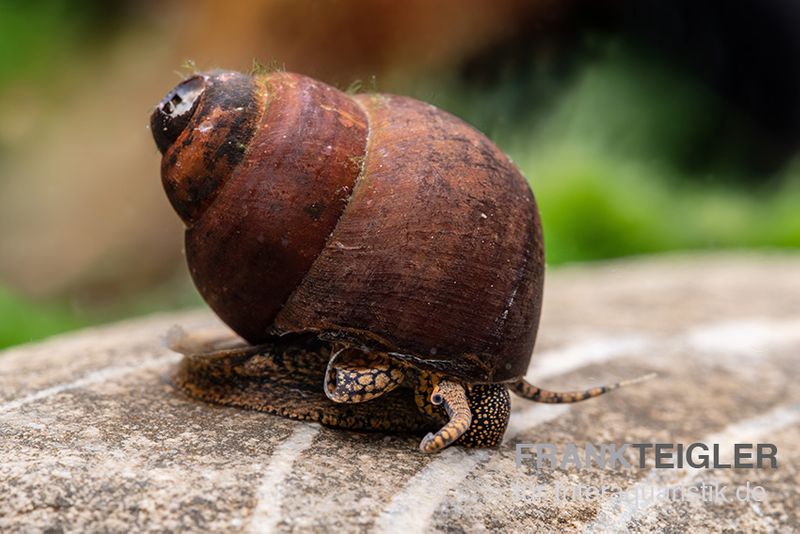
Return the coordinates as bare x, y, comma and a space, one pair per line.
374, 217
391, 232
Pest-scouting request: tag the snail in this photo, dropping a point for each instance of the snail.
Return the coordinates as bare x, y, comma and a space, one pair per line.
382, 259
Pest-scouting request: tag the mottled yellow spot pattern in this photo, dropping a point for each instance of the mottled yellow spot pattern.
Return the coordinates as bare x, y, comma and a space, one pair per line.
355, 376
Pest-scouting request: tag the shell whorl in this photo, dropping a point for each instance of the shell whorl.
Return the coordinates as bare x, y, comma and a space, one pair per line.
375, 218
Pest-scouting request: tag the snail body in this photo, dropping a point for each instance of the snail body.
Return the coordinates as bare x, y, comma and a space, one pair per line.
382, 236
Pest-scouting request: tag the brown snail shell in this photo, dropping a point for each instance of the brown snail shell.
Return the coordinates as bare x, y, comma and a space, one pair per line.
374, 218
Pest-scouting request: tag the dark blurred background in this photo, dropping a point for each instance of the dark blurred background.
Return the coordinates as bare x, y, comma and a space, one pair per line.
643, 125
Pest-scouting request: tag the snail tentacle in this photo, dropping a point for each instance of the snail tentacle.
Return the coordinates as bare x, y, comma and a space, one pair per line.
454, 399
528, 391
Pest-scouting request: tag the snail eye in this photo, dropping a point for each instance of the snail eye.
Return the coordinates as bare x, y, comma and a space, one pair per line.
172, 115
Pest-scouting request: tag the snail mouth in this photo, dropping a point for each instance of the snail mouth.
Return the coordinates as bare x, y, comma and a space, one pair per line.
173, 113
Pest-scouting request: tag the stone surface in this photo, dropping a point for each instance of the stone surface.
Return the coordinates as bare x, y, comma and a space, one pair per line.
93, 437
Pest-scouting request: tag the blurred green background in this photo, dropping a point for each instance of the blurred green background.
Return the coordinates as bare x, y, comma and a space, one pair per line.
643, 126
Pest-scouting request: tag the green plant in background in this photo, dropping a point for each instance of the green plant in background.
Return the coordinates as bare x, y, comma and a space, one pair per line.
36, 37
594, 207
23, 322
620, 162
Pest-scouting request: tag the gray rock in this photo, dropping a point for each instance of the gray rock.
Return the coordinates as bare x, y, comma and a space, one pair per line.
94, 438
